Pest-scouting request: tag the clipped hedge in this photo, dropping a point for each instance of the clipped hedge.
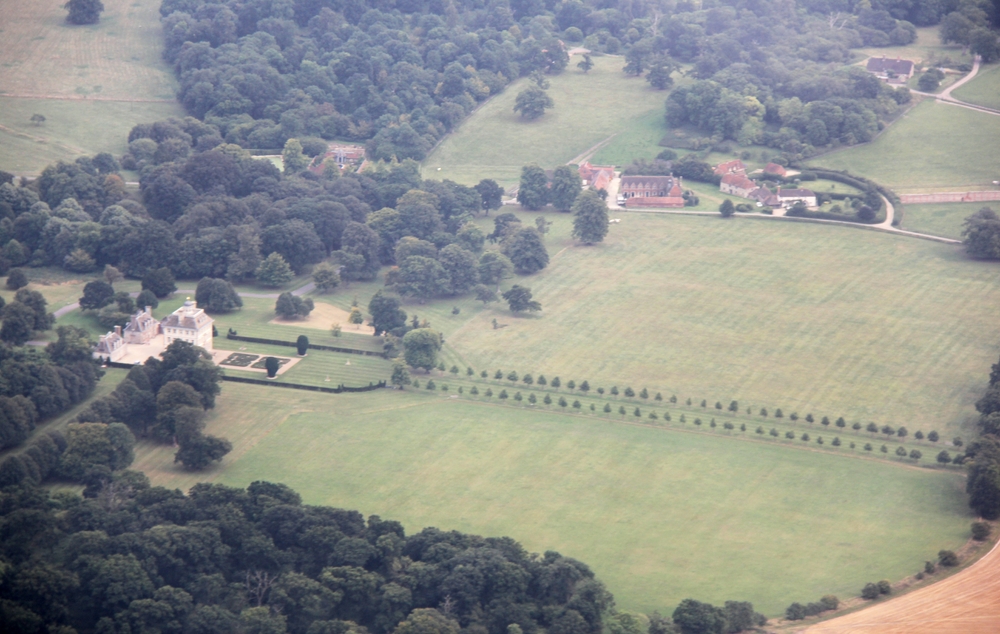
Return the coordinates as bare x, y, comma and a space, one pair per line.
312, 346
311, 388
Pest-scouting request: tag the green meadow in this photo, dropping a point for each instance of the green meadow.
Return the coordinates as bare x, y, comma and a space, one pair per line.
933, 147
983, 89
942, 219
659, 514
591, 108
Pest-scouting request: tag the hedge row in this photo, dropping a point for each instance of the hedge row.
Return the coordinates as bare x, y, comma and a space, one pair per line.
313, 346
311, 388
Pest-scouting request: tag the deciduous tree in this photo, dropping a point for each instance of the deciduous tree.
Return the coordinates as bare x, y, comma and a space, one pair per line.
519, 300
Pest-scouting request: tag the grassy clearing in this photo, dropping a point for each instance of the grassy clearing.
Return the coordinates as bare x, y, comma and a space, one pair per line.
983, 89
495, 143
941, 219
934, 147
870, 326
926, 48
72, 128
92, 83
319, 367
659, 515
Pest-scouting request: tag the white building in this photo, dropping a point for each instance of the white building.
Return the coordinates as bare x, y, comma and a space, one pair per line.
188, 323
111, 346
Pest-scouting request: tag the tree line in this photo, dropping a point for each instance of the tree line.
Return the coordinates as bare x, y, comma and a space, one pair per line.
983, 454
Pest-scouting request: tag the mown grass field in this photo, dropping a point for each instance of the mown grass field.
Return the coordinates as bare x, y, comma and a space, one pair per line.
933, 147
983, 89
832, 320
92, 83
495, 142
942, 219
659, 515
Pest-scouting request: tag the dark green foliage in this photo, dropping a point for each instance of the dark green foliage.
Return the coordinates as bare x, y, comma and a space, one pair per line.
302, 345
565, 188
981, 531
695, 617
533, 191
981, 235
159, 281
96, 295
291, 306
590, 222
532, 102
387, 316
84, 11
870, 591
217, 296
727, 208
16, 279
519, 300
221, 559
421, 346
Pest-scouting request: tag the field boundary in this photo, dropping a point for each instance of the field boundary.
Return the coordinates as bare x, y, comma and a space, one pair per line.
312, 346
310, 388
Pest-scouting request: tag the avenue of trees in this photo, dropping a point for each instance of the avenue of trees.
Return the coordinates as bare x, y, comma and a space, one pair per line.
130, 557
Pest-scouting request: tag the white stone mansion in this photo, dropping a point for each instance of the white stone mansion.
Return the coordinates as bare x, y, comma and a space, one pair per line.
146, 336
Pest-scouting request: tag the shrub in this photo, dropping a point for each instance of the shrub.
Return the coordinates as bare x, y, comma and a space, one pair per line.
795, 612
947, 558
870, 591
884, 587
980, 531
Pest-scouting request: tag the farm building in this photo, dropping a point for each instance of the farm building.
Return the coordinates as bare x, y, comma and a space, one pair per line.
775, 169
339, 155
731, 167
737, 185
596, 176
894, 71
789, 197
649, 186
651, 191
765, 197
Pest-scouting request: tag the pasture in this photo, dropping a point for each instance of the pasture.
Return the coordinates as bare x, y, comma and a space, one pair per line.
659, 515
933, 147
92, 83
871, 327
494, 142
983, 89
941, 219
926, 48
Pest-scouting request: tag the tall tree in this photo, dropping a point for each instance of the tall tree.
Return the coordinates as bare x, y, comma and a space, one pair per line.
387, 316
491, 194
533, 190
590, 222
84, 12
526, 251
420, 348
519, 299
566, 186
532, 102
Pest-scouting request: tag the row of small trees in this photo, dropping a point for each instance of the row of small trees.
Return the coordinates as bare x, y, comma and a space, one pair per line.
584, 386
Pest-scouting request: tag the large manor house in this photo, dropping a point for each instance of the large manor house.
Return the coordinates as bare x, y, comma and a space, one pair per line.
144, 336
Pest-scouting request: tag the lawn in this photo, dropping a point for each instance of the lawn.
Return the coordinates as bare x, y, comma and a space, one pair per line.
933, 147
92, 83
941, 219
832, 320
983, 89
494, 142
659, 515
926, 48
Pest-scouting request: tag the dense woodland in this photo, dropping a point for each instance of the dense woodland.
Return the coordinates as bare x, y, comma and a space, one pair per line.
130, 558
399, 75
